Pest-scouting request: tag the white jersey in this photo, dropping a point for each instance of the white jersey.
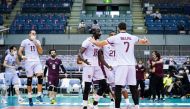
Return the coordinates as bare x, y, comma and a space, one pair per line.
91, 52
30, 49
11, 61
124, 45
109, 55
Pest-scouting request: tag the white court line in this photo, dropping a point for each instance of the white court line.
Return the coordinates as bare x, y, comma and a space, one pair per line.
108, 104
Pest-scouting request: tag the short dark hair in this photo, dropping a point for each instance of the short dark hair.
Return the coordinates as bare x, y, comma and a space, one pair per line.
52, 50
122, 26
12, 47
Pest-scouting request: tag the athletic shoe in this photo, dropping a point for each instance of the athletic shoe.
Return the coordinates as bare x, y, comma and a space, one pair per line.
53, 101
20, 100
30, 102
85, 107
163, 99
39, 99
3, 101
94, 107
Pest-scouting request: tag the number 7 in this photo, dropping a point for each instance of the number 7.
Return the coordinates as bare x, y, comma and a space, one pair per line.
127, 46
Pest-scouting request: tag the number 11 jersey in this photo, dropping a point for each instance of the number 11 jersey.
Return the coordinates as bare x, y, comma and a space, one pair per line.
30, 50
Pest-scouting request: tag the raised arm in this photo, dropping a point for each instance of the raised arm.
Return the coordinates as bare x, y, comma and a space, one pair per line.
99, 43
143, 41
38, 46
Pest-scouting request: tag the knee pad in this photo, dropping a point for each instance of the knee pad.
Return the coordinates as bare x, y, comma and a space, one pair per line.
40, 79
50, 88
16, 87
29, 81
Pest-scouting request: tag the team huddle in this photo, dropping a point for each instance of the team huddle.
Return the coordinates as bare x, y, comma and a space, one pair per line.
111, 62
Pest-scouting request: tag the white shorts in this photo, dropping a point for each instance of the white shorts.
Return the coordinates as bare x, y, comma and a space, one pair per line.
11, 79
33, 68
110, 76
92, 73
125, 75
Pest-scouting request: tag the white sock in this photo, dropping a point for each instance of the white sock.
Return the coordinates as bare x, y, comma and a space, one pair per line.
137, 107
96, 97
127, 101
39, 93
85, 103
29, 95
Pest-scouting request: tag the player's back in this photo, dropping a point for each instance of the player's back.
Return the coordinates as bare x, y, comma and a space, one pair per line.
109, 54
30, 50
124, 46
11, 61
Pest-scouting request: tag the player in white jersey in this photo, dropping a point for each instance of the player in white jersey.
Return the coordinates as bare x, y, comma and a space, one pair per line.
109, 56
125, 71
11, 77
32, 48
89, 54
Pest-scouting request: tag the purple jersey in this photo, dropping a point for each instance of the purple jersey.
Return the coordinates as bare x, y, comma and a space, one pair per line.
53, 66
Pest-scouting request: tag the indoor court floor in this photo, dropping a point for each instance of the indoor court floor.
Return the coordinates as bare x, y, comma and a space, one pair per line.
75, 102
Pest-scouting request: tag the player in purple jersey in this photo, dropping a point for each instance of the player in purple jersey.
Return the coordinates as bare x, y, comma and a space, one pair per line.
53, 66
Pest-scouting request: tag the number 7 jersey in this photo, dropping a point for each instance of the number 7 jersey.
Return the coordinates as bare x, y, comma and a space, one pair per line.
123, 44
30, 50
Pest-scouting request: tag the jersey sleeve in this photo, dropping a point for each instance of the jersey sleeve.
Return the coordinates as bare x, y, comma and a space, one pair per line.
38, 42
46, 62
60, 62
23, 43
135, 38
7, 58
111, 40
85, 44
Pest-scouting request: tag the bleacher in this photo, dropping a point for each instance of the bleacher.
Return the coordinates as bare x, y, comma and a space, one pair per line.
42, 23
47, 6
167, 25
107, 22
44, 16
173, 12
5, 8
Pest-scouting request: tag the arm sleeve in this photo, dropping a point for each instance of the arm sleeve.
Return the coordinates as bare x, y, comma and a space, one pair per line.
85, 44
23, 44
62, 67
6, 58
38, 42
45, 71
135, 38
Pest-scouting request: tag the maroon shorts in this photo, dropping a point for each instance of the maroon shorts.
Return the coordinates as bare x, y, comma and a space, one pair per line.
53, 81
